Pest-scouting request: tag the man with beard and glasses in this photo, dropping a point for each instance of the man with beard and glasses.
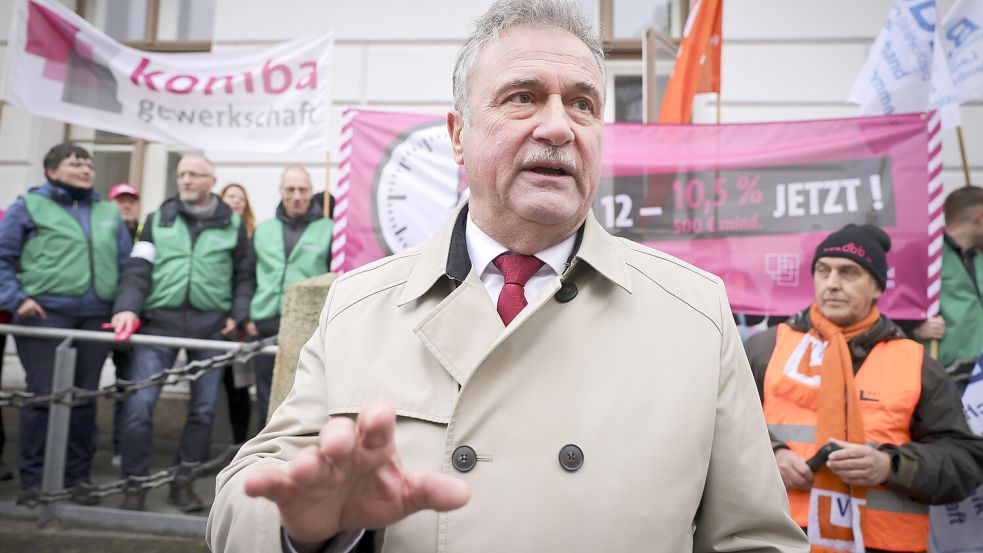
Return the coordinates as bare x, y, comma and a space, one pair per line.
61, 250
523, 381
190, 275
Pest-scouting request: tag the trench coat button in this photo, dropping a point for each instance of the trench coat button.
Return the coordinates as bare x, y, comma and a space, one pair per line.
566, 293
571, 458
464, 458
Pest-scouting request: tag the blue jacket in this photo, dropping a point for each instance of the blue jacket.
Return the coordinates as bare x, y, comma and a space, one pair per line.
17, 228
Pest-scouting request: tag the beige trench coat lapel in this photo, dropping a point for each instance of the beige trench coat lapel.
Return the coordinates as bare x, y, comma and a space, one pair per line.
439, 329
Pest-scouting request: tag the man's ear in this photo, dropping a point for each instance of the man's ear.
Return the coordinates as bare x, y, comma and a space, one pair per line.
455, 126
978, 216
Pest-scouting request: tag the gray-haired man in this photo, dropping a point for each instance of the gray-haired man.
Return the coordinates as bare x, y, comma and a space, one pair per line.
523, 381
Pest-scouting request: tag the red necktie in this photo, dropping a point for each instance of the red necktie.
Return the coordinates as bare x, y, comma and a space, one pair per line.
517, 269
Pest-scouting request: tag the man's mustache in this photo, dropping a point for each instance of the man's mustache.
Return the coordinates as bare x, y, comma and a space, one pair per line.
552, 154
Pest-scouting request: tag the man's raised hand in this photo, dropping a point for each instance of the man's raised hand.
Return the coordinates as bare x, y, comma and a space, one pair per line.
352, 479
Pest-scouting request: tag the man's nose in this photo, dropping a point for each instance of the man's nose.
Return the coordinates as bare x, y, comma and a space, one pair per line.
554, 126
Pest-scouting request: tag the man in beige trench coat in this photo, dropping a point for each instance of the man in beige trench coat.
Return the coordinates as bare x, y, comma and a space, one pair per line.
615, 412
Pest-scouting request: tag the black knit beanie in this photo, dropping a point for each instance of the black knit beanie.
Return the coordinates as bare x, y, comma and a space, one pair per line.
866, 244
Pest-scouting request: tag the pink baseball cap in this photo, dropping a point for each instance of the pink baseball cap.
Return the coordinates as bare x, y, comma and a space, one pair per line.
123, 188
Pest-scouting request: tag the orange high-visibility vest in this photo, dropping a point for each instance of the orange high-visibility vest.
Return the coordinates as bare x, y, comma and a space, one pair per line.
889, 383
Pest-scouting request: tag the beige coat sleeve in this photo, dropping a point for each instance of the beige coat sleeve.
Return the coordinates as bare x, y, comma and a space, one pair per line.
744, 506
242, 524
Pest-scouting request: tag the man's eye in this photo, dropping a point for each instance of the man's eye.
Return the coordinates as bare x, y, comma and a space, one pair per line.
582, 105
522, 98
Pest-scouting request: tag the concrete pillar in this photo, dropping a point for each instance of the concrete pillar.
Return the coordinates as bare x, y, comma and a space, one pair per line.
301, 308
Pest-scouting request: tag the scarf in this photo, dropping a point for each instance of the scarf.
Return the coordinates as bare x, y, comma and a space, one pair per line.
76, 193
200, 212
836, 510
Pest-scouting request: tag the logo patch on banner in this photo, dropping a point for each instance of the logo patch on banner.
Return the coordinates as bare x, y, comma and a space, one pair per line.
86, 82
835, 520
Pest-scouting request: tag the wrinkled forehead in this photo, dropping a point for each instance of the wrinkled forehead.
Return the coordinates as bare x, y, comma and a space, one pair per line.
295, 179
73, 158
841, 263
197, 164
523, 52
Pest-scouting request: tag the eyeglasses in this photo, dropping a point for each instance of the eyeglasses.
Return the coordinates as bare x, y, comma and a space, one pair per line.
193, 175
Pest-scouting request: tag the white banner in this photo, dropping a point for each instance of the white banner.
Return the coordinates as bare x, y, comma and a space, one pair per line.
904, 72
962, 31
958, 527
268, 100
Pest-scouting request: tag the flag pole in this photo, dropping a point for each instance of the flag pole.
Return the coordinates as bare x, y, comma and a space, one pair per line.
962, 152
650, 102
326, 204
720, 63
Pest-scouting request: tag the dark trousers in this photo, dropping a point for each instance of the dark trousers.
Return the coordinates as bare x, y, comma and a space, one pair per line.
136, 438
263, 365
3, 350
121, 360
239, 406
38, 358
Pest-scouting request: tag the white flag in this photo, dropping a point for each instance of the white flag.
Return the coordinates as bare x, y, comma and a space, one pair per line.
904, 72
962, 33
958, 527
265, 100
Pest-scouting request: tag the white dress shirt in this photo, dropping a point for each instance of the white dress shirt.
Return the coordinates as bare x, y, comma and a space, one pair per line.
483, 249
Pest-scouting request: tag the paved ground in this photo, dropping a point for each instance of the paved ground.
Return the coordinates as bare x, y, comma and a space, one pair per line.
17, 536
89, 529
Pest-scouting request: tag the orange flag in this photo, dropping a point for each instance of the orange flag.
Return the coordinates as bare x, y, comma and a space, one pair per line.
697, 62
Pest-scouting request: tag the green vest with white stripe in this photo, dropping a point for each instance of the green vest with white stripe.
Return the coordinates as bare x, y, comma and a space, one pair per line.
275, 271
60, 259
201, 274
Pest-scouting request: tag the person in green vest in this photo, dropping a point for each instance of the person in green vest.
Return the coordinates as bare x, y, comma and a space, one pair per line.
61, 250
190, 275
293, 246
959, 325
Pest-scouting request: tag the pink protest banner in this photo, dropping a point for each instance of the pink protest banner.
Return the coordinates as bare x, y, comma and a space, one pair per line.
747, 202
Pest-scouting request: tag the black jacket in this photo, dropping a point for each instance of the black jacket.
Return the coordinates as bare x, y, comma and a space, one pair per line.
136, 280
943, 462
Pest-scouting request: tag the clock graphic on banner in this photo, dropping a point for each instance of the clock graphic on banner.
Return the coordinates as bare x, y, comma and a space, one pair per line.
417, 185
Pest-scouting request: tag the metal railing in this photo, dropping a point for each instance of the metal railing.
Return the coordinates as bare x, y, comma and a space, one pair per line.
64, 395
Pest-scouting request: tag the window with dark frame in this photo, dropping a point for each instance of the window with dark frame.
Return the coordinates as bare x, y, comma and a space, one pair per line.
152, 25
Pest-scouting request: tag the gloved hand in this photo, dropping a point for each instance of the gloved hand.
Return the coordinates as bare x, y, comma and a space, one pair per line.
125, 323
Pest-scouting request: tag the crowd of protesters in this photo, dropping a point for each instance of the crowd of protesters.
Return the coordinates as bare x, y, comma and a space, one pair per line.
194, 269
200, 267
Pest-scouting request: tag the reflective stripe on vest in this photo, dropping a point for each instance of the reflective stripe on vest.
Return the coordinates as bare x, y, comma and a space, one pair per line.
308, 258
202, 275
801, 433
889, 384
60, 259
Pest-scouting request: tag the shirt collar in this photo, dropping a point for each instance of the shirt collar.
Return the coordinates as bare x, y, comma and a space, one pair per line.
965, 254
483, 249
447, 255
